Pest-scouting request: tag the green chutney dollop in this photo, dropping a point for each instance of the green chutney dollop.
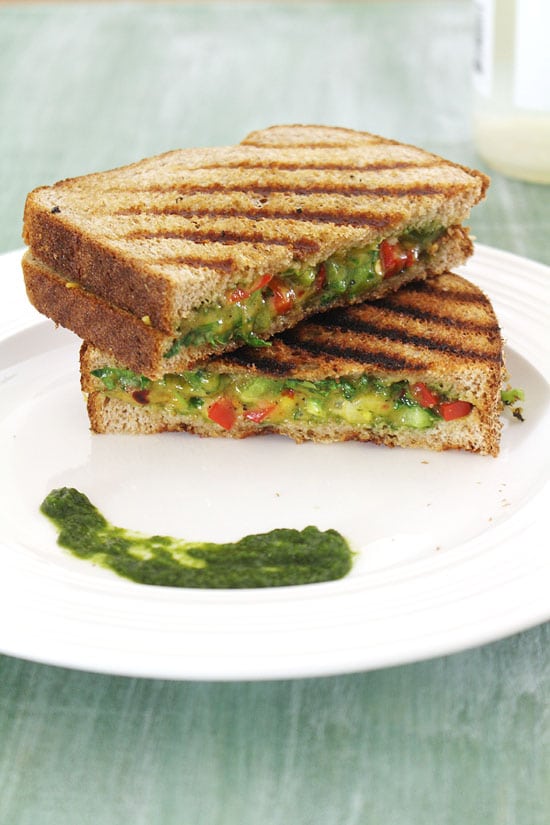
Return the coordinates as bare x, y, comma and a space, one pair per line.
278, 558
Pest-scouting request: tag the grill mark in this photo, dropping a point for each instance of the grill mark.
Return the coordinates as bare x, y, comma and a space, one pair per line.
378, 191
225, 265
301, 246
308, 144
335, 217
356, 190
379, 359
426, 288
289, 166
319, 189
427, 315
248, 358
265, 190
433, 343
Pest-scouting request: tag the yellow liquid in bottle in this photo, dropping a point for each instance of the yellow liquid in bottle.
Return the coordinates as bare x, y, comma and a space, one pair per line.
512, 89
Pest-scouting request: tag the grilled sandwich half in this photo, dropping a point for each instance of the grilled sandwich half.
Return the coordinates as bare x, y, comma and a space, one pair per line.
421, 367
196, 252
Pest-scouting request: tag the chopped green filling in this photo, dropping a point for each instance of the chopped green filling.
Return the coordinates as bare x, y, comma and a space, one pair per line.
512, 398
226, 399
247, 313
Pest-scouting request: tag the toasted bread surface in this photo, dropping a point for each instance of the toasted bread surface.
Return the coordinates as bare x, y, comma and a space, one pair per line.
163, 235
135, 342
442, 332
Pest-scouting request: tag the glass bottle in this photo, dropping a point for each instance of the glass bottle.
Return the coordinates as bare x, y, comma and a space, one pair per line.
512, 87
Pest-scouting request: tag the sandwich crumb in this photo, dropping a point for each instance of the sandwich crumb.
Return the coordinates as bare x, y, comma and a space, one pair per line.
56, 210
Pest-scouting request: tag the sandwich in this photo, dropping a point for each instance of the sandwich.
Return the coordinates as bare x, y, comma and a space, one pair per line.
421, 367
196, 252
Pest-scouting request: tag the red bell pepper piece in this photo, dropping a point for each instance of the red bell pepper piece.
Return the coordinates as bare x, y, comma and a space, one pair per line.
454, 409
240, 294
259, 413
222, 412
283, 296
424, 396
395, 258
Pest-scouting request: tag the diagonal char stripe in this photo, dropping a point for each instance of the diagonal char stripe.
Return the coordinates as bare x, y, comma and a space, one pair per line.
226, 265
348, 190
297, 166
332, 322
357, 355
250, 358
325, 144
276, 166
426, 288
335, 217
303, 246
189, 190
410, 311
247, 357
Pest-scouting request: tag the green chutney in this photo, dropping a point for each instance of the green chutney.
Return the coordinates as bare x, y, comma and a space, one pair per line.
281, 557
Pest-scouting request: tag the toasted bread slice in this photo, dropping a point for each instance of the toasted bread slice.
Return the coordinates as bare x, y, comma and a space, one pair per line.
422, 367
169, 236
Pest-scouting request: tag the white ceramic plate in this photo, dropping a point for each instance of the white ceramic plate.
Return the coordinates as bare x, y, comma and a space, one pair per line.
451, 547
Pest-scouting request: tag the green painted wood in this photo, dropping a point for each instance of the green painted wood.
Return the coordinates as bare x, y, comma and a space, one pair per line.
460, 739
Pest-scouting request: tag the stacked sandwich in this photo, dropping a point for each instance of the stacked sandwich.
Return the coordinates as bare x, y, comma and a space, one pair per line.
297, 283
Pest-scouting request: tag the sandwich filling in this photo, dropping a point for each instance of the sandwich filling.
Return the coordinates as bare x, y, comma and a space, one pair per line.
233, 400
248, 313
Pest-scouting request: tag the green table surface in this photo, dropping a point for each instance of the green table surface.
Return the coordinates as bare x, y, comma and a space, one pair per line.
461, 739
